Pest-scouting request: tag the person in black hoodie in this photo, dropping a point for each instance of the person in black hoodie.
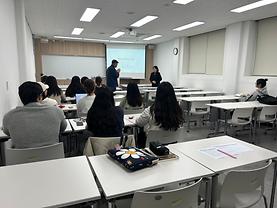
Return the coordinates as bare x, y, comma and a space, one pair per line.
75, 87
155, 77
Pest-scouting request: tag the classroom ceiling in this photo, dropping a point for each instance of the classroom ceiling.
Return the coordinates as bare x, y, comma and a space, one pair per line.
58, 17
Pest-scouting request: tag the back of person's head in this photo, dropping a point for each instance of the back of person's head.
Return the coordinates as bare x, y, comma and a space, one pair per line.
261, 83
74, 87
75, 80
101, 118
43, 79
114, 62
166, 110
133, 96
29, 92
98, 81
83, 79
156, 68
89, 86
53, 89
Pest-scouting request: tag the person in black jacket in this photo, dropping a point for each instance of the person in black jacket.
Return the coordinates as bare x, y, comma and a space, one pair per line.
155, 77
112, 74
75, 87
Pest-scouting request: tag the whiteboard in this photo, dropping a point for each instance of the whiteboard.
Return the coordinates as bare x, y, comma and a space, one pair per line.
65, 67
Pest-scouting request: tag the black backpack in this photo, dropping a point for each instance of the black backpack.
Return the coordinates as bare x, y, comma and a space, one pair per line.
267, 99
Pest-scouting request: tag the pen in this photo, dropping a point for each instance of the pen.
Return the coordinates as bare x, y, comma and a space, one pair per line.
232, 156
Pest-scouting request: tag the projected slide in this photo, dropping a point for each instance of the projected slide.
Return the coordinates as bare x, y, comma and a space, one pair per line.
131, 59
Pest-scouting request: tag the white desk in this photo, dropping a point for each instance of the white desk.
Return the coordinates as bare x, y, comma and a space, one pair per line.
69, 99
237, 105
52, 183
130, 120
117, 181
68, 127
209, 98
197, 93
121, 92
74, 124
69, 107
258, 154
119, 97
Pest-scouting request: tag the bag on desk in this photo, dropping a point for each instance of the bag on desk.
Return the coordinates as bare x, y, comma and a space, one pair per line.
267, 99
132, 158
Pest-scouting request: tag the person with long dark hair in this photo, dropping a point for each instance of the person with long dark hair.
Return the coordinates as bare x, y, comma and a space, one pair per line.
133, 99
54, 91
165, 113
103, 118
155, 77
75, 87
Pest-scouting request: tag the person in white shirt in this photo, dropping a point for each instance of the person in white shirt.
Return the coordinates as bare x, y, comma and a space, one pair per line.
86, 102
46, 100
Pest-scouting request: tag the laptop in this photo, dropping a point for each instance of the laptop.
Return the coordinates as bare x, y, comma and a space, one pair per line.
79, 97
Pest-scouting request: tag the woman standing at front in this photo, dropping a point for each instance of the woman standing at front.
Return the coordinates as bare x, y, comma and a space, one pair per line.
155, 77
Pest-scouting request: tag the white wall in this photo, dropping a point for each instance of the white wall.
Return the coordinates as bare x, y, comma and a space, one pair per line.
8, 58
238, 64
167, 61
12, 43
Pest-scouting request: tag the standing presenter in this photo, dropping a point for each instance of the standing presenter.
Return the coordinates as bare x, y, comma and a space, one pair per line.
155, 77
112, 74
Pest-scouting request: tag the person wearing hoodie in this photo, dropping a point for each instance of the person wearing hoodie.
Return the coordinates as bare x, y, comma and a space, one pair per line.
261, 90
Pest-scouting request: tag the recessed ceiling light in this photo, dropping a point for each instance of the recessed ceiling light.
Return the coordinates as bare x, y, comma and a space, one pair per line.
117, 34
144, 21
184, 27
152, 37
77, 31
118, 41
65, 37
253, 6
184, 2
89, 14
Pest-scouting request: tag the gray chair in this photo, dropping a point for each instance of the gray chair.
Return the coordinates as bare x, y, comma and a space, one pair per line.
18, 156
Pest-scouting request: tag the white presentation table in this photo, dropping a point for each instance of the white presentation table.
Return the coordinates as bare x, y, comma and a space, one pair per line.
192, 150
117, 181
53, 183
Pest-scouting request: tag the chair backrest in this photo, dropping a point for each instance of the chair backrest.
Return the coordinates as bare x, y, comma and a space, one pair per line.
200, 107
101, 145
242, 183
268, 114
186, 197
18, 156
165, 137
242, 116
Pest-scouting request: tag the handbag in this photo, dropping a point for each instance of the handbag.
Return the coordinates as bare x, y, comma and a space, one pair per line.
132, 158
267, 99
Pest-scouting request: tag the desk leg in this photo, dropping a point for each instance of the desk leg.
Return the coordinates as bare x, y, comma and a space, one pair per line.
111, 204
208, 192
226, 125
188, 115
272, 198
254, 127
214, 191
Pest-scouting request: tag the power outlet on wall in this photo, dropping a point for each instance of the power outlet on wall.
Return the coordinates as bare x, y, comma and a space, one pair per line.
7, 85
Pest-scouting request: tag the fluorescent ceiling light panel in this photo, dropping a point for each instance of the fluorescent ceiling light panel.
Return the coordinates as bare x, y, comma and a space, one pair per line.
152, 37
184, 2
77, 31
185, 27
144, 21
97, 40
117, 34
89, 14
64, 37
118, 41
253, 6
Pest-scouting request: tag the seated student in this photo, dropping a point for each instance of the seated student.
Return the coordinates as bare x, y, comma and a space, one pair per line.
54, 91
86, 102
34, 124
43, 78
133, 99
46, 100
165, 113
83, 79
103, 118
74, 87
260, 90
